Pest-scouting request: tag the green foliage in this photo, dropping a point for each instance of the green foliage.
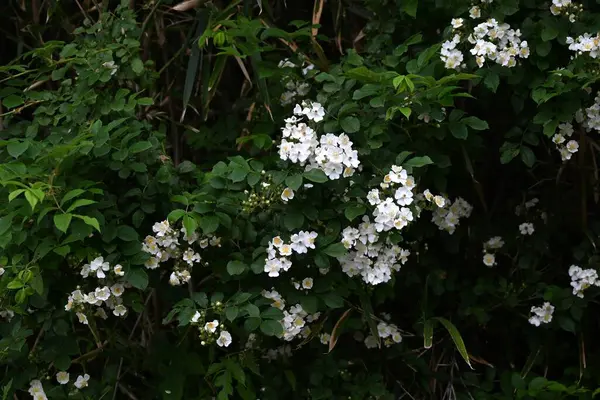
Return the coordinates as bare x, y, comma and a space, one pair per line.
124, 127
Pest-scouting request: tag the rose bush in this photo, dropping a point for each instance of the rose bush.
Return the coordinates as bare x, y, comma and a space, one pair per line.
414, 218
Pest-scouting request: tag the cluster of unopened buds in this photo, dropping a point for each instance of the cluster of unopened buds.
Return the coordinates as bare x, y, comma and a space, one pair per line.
108, 293
278, 252
300, 144
386, 331
211, 331
566, 8
172, 244
489, 249
581, 279
541, 315
490, 40
295, 88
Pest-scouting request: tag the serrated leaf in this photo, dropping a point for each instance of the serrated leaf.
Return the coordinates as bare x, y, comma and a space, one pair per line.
335, 250
209, 223
12, 101
271, 327
138, 278
190, 225
294, 181
417, 162
476, 123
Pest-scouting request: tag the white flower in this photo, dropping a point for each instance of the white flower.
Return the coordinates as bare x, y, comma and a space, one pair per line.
371, 342
98, 265
118, 270
572, 146
174, 279
62, 377
307, 283
526, 228
162, 229
102, 293
211, 326
120, 310
196, 317
325, 338
117, 289
373, 197
287, 194
489, 259
36, 390
82, 318
494, 243
224, 339
82, 381
541, 315
190, 257
1, 271
475, 12
457, 23
403, 196
439, 201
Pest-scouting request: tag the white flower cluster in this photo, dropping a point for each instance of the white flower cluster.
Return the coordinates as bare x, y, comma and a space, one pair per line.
166, 246
333, 154
391, 209
294, 88
388, 332
447, 217
211, 329
581, 279
591, 119
585, 43
280, 352
526, 229
374, 261
489, 247
541, 315
278, 251
566, 8
566, 148
491, 41
36, 390
108, 293
295, 320
304, 284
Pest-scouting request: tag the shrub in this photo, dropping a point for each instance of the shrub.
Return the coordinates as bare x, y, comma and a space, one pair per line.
415, 218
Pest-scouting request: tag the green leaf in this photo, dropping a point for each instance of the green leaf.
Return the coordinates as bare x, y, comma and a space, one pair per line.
31, 198
13, 195
70, 195
428, 333
236, 267
476, 123
402, 156
417, 162
16, 148
137, 66
272, 313
410, 7
12, 101
456, 338
459, 130
209, 223
139, 147
271, 328
62, 221
333, 300
335, 250
231, 312
138, 278
527, 156
405, 111
93, 222
491, 81
80, 203
127, 233
367, 307
350, 124
252, 324
316, 175
293, 220
238, 174
354, 211
294, 181
310, 304
175, 215
190, 225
